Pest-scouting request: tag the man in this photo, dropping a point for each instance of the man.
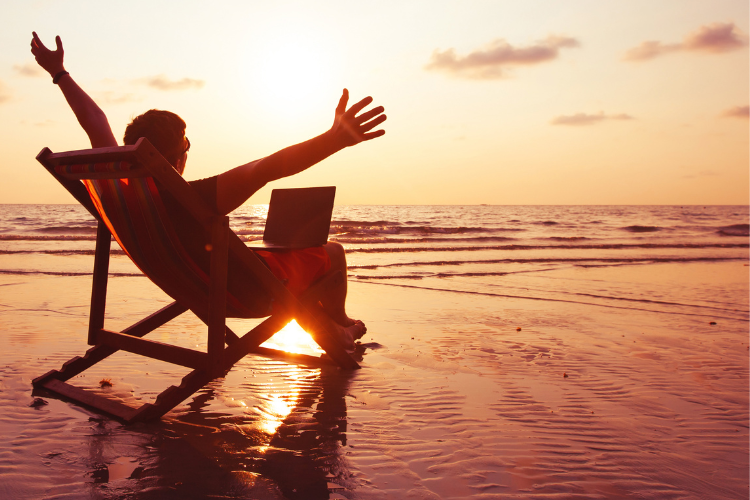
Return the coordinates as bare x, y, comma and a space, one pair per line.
229, 190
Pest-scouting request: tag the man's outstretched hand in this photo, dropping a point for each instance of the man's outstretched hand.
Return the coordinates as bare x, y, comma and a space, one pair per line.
50, 60
349, 128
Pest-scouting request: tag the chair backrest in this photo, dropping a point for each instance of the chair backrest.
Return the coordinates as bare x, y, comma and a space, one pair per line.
124, 192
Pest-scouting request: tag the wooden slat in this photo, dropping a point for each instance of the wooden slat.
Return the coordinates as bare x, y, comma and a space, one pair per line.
217, 290
76, 365
99, 284
108, 406
96, 155
291, 357
155, 320
152, 349
75, 188
253, 339
148, 156
126, 174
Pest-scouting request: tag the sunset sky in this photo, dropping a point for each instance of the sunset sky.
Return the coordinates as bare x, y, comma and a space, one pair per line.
497, 102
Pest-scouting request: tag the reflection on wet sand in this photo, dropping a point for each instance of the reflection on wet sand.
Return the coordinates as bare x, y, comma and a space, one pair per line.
277, 433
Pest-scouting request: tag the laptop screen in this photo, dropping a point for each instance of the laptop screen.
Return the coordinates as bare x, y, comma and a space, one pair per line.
300, 217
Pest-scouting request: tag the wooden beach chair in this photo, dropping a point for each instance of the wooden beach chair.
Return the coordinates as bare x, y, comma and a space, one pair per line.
122, 188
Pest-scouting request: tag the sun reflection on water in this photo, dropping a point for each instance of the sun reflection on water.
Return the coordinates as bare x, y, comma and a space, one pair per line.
276, 409
280, 401
274, 387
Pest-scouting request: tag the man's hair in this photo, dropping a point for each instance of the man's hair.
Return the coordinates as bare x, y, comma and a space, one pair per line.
164, 129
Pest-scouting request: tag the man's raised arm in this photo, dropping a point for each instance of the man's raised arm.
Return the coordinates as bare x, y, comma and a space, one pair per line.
237, 185
89, 114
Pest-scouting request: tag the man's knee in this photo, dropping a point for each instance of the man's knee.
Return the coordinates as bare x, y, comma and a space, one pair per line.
335, 251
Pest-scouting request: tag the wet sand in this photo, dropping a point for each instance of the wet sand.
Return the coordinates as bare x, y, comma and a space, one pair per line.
453, 401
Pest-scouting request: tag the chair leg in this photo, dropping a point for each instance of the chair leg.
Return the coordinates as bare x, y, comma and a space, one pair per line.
252, 339
99, 285
217, 294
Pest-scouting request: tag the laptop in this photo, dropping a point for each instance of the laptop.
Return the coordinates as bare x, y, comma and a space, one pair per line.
297, 218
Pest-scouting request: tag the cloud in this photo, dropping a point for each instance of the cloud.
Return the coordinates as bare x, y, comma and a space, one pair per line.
161, 82
714, 38
5, 93
737, 112
492, 61
29, 69
582, 119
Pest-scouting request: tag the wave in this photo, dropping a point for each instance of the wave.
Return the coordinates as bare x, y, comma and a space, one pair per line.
603, 246
59, 237
251, 218
68, 229
65, 273
642, 229
59, 252
385, 239
417, 230
348, 222
735, 230
583, 263
551, 260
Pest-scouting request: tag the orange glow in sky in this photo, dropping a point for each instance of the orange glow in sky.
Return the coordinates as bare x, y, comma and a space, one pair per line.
538, 102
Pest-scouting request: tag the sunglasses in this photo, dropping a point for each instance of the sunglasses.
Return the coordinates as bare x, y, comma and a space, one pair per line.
188, 146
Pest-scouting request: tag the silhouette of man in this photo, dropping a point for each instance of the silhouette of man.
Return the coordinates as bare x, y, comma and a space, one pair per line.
229, 190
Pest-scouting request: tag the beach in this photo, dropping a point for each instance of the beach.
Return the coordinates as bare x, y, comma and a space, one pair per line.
575, 353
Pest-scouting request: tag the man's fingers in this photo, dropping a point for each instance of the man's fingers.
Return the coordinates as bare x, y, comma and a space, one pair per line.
341, 108
36, 42
369, 115
59, 44
356, 108
373, 135
366, 127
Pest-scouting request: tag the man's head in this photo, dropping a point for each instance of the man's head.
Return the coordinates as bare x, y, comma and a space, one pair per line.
163, 129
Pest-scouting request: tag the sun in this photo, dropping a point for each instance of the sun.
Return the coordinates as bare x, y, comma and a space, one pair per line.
292, 338
293, 73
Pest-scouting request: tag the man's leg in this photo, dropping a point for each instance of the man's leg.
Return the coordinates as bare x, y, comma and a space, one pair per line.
334, 302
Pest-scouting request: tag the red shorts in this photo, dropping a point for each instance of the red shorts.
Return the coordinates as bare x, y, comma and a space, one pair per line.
297, 269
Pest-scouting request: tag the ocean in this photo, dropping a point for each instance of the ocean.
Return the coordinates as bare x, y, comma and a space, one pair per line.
524, 251
531, 352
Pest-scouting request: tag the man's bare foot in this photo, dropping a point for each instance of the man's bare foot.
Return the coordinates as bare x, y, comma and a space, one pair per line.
348, 335
345, 321
362, 329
